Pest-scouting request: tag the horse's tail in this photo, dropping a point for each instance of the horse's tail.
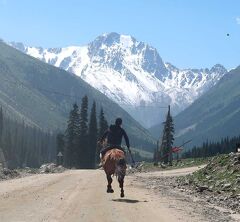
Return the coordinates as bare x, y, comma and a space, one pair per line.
120, 168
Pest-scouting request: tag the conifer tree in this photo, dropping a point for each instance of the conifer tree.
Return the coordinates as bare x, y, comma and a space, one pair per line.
72, 139
167, 139
103, 126
83, 137
92, 135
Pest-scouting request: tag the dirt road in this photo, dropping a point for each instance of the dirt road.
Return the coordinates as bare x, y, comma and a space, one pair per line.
80, 196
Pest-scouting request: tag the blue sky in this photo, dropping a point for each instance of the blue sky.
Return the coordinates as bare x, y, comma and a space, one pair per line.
187, 33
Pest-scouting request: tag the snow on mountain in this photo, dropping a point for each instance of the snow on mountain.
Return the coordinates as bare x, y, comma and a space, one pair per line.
131, 73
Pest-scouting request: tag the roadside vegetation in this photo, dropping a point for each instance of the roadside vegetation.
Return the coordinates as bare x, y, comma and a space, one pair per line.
217, 183
222, 174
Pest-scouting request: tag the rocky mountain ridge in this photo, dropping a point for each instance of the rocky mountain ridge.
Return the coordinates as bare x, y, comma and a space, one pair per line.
131, 73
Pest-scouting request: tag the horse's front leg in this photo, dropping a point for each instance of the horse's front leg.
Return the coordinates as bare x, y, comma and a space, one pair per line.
121, 182
109, 186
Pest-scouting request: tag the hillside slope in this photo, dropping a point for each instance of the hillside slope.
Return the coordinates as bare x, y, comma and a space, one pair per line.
217, 183
214, 115
29, 90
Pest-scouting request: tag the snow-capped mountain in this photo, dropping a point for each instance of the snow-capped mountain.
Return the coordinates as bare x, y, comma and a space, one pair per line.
131, 73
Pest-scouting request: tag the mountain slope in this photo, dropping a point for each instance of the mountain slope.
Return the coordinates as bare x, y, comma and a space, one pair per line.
29, 90
214, 115
131, 73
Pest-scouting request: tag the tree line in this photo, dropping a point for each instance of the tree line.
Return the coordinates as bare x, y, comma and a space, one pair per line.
208, 149
79, 142
22, 145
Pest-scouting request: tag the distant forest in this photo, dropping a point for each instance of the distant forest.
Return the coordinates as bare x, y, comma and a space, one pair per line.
22, 145
208, 149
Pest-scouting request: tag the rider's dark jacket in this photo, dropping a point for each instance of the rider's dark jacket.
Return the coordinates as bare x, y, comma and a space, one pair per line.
114, 136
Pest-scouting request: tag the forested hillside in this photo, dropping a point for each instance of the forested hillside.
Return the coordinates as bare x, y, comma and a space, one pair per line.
207, 149
22, 145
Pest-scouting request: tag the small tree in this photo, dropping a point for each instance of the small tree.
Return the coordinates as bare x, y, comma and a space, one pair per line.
72, 138
83, 137
92, 135
103, 126
167, 139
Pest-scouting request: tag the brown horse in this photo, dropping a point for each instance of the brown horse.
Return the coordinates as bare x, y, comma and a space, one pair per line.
114, 163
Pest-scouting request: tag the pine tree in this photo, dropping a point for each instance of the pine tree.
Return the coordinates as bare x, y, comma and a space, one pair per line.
103, 126
167, 139
72, 148
92, 135
83, 137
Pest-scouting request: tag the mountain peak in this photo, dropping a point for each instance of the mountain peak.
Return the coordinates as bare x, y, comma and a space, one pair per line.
113, 38
219, 68
108, 38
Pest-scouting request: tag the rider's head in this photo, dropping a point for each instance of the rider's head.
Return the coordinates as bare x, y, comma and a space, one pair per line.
118, 122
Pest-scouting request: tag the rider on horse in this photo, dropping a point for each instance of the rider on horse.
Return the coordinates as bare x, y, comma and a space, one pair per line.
114, 137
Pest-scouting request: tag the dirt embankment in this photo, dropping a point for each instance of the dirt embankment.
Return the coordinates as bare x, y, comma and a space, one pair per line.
218, 183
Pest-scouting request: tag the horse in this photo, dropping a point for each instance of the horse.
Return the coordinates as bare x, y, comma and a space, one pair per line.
114, 163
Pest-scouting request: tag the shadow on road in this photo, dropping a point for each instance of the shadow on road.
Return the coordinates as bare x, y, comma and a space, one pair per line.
128, 201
